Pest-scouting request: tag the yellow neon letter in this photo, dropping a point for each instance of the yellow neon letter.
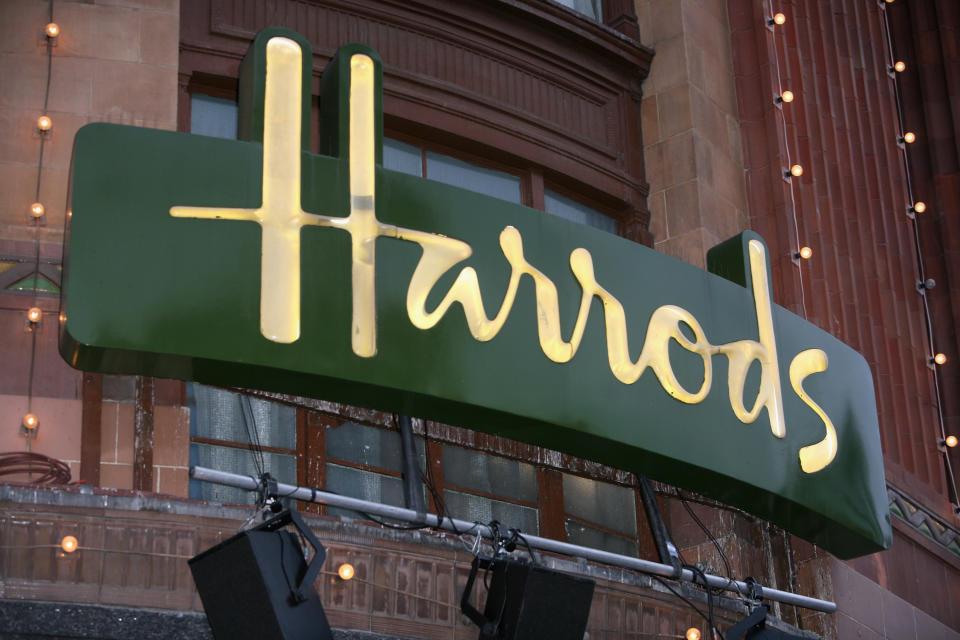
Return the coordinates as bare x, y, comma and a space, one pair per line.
816, 456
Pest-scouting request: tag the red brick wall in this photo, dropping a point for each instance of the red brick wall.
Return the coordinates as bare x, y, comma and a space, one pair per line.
850, 208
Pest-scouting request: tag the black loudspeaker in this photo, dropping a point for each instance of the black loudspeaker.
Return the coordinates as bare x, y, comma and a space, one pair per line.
528, 602
257, 584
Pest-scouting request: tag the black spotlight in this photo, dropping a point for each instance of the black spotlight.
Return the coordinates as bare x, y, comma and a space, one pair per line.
528, 602
754, 627
257, 584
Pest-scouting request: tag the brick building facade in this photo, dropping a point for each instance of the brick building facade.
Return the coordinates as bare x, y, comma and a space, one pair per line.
657, 115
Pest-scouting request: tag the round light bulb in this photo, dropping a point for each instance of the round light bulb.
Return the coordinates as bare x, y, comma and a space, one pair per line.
909, 137
806, 252
30, 421
919, 207
34, 314
69, 544
796, 171
345, 571
37, 209
779, 18
692, 634
951, 441
52, 30
899, 66
787, 96
940, 358
44, 123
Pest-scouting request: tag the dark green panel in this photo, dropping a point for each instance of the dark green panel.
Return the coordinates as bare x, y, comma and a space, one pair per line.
174, 297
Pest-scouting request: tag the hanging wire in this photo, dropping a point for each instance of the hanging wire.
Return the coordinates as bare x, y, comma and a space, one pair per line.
786, 144
928, 316
36, 231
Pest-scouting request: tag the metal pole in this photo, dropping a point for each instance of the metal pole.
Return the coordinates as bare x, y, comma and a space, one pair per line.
412, 487
462, 526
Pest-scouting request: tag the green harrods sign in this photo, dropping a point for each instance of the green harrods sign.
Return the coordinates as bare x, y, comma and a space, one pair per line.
257, 263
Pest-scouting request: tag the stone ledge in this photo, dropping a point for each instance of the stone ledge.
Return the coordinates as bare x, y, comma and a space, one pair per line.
33, 620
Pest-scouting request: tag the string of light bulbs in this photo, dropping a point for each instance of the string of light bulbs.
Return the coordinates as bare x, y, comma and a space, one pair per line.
37, 217
793, 170
924, 284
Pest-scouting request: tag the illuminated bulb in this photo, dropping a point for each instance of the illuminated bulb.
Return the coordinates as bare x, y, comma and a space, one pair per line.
805, 252
779, 18
919, 207
692, 634
37, 209
52, 30
345, 571
44, 123
909, 137
951, 441
787, 96
940, 358
796, 171
899, 66
69, 544
34, 314
30, 421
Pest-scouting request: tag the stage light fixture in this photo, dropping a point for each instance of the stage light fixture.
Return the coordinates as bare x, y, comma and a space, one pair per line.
754, 627
525, 600
258, 585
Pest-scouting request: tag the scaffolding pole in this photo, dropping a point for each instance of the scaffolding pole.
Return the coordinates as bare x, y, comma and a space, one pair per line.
544, 544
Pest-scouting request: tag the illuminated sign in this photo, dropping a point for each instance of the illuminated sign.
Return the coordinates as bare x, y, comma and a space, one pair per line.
261, 264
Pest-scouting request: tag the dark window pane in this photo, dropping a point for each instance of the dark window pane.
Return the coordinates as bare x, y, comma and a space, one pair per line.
490, 474
402, 157
608, 505
562, 207
369, 446
590, 8
465, 506
469, 176
365, 485
587, 536
218, 414
211, 116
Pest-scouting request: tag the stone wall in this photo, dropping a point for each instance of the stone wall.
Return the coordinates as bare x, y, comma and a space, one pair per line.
114, 61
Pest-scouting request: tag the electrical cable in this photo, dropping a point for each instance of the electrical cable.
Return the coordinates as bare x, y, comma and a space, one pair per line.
250, 420
786, 144
36, 232
928, 316
687, 602
51, 470
716, 543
